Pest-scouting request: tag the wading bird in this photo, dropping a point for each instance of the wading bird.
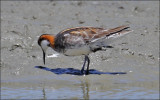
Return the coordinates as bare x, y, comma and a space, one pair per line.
80, 41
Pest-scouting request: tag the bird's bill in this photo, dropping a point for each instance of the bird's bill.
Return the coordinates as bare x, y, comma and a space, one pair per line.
43, 56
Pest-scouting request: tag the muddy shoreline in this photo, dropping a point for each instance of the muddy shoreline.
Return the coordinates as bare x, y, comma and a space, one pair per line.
137, 54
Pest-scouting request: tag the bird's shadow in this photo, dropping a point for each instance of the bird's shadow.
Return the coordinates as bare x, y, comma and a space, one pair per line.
72, 71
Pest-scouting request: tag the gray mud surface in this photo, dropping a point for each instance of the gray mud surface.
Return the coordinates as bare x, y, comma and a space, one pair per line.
136, 54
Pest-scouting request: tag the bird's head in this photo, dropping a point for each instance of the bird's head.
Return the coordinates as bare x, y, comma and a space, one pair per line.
45, 41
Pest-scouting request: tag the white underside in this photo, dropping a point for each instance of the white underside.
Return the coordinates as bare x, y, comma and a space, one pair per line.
84, 50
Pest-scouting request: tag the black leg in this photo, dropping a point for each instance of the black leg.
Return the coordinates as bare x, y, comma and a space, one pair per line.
87, 72
82, 70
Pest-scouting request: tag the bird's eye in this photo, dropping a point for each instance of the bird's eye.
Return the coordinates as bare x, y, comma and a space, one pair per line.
48, 45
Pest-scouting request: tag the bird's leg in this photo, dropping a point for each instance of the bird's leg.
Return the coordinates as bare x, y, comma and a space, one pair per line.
82, 70
87, 72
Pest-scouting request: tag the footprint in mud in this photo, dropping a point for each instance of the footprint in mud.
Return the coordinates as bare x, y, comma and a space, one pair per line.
73, 71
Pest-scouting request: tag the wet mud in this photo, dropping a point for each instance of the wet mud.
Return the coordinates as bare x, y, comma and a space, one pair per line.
129, 70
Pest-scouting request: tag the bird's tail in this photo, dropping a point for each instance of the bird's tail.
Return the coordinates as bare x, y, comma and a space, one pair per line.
115, 31
106, 37
113, 34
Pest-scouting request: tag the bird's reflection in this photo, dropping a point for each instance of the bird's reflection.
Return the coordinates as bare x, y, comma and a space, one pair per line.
73, 71
85, 89
44, 94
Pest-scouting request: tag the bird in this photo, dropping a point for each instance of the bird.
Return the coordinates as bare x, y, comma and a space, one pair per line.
79, 41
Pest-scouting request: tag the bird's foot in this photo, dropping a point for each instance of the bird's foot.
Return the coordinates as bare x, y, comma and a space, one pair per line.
83, 72
87, 72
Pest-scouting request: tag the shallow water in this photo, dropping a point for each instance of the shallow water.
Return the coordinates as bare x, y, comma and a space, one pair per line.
77, 93
79, 87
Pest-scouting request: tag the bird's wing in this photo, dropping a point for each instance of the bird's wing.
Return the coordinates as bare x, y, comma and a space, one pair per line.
84, 33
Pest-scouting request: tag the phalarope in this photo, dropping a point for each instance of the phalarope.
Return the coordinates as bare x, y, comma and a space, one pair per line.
80, 41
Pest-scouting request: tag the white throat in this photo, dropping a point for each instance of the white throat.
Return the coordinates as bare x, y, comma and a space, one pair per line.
44, 45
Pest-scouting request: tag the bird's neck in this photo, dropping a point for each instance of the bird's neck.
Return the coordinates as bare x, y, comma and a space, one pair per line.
51, 39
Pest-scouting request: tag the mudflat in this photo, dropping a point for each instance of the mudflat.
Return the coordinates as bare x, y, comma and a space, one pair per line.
130, 70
